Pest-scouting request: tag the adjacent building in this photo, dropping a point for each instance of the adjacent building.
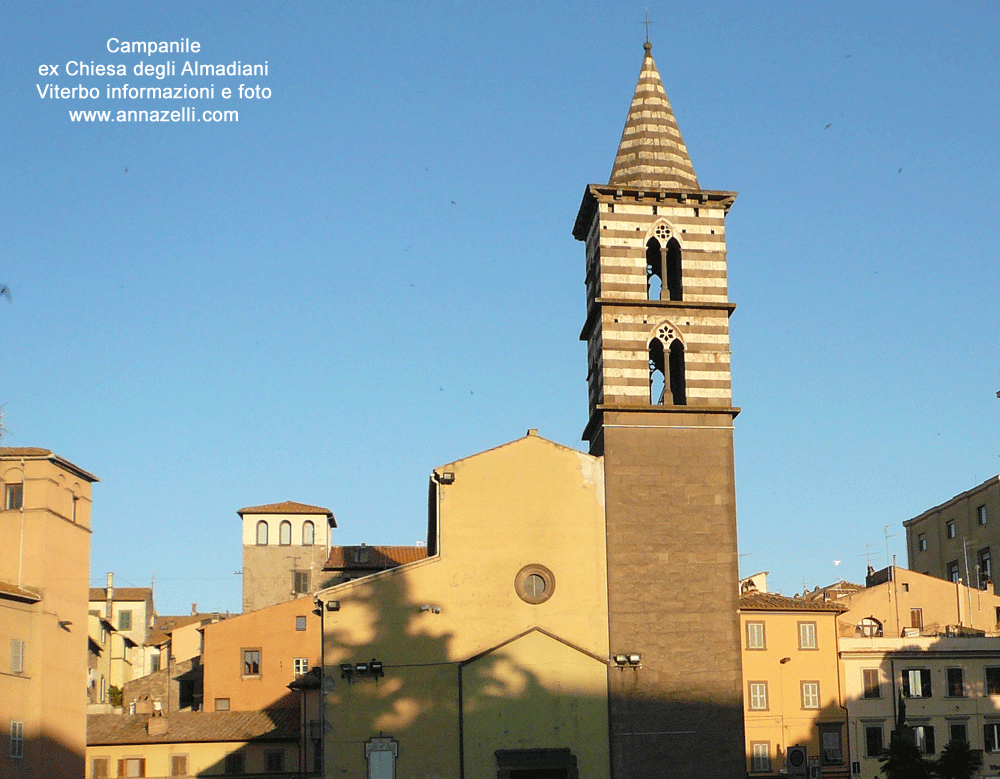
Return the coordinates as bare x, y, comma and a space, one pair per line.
45, 528
950, 688
791, 681
130, 611
957, 539
285, 546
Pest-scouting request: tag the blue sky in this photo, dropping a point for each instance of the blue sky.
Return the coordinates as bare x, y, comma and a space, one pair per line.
372, 272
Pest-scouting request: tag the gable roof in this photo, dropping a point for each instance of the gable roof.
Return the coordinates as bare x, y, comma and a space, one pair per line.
195, 726
771, 601
122, 594
379, 558
287, 507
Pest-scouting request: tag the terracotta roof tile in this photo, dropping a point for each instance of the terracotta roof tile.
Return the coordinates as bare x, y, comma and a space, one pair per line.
285, 507
192, 726
163, 625
771, 601
122, 594
21, 593
24, 451
379, 558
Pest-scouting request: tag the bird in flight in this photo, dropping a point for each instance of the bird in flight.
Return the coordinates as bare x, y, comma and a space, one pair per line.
5, 291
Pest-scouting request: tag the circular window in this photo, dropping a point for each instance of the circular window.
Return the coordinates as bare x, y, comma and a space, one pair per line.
534, 583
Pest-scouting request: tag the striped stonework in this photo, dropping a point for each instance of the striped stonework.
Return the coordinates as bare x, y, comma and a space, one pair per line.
616, 225
652, 152
661, 416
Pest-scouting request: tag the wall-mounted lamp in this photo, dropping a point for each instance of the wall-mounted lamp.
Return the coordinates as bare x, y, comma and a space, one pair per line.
621, 659
373, 668
430, 608
333, 605
448, 477
634, 660
785, 660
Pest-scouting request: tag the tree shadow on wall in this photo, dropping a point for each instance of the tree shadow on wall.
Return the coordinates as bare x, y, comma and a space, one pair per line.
449, 703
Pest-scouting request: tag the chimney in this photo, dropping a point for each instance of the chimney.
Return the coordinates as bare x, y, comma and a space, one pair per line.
194, 609
109, 596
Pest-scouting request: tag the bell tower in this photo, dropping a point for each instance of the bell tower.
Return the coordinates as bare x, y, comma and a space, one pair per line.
661, 414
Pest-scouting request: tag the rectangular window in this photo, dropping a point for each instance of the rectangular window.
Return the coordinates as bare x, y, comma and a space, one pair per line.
950, 529
981, 514
300, 623
953, 571
993, 681
921, 542
755, 635
125, 619
956, 683
807, 635
17, 739
991, 736
234, 763
917, 683
300, 585
381, 754
222, 704
873, 685
917, 618
99, 768
925, 738
132, 766
757, 696
830, 740
274, 762
178, 765
14, 496
251, 662
873, 741
16, 656
760, 756
301, 665
810, 695
985, 570
185, 693
957, 731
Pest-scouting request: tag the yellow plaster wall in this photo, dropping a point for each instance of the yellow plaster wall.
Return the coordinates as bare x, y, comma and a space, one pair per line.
530, 501
204, 758
786, 723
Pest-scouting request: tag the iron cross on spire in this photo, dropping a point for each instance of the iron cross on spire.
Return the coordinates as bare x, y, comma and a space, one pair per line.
647, 25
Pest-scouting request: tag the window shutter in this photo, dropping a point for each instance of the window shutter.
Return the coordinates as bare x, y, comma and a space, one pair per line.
906, 684
925, 684
929, 738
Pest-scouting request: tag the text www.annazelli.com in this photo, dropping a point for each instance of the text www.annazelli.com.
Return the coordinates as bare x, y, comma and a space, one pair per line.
186, 114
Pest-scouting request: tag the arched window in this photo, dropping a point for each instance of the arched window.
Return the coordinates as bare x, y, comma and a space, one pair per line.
673, 265
666, 368
654, 270
262, 533
308, 533
663, 265
869, 627
285, 533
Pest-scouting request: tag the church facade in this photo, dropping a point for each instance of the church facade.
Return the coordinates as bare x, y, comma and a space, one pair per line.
576, 614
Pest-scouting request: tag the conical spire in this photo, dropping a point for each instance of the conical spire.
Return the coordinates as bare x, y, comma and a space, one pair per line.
652, 153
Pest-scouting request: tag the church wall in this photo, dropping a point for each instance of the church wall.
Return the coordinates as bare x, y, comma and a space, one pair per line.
528, 502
